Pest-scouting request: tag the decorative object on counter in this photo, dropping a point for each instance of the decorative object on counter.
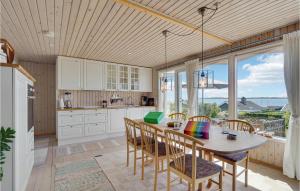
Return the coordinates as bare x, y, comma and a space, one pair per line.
231, 136
7, 51
197, 129
67, 100
61, 103
6, 137
116, 99
144, 100
154, 117
104, 104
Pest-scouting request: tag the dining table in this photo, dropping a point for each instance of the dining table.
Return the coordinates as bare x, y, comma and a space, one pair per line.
218, 141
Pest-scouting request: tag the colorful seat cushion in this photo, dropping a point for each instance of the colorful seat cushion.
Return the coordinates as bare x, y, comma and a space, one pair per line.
204, 168
233, 157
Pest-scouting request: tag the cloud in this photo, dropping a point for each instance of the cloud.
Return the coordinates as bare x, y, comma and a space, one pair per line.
270, 71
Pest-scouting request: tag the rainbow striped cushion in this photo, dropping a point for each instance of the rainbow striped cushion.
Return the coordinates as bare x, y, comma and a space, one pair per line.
197, 129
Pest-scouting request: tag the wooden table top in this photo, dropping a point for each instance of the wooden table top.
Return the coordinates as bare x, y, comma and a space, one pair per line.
218, 141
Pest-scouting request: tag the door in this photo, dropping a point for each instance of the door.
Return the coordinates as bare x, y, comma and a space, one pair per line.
70, 73
123, 81
182, 92
116, 120
111, 76
93, 75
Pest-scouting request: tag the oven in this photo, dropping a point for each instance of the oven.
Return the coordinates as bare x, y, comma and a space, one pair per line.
30, 100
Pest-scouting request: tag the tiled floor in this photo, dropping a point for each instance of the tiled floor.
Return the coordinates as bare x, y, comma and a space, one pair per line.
112, 161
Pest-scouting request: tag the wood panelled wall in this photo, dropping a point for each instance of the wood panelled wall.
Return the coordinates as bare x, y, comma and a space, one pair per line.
81, 98
270, 153
44, 105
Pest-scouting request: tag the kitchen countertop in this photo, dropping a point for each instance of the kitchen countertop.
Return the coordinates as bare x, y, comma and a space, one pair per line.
99, 107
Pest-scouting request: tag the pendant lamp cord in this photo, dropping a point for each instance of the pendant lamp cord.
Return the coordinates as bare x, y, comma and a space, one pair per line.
165, 32
202, 44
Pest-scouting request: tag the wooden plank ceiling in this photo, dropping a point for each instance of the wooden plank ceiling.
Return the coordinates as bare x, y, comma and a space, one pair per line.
105, 30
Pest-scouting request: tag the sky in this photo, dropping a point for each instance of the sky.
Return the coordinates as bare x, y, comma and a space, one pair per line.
258, 76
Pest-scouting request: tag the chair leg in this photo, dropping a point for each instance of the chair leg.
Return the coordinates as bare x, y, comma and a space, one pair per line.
135, 149
193, 186
234, 177
168, 178
221, 180
223, 167
246, 171
143, 164
162, 165
127, 154
156, 163
200, 186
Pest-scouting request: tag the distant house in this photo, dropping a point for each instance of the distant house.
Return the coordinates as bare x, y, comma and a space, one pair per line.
243, 105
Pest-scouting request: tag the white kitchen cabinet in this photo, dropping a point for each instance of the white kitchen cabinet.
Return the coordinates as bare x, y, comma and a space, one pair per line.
76, 126
95, 129
135, 113
134, 78
111, 76
123, 77
69, 73
71, 131
146, 80
93, 75
116, 120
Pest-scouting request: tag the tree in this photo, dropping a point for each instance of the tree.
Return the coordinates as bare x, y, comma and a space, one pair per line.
210, 110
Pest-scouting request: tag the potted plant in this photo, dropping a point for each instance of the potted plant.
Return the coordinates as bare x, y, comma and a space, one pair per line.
6, 137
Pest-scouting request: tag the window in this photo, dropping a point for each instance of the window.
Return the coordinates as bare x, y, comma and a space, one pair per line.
261, 94
182, 92
213, 102
168, 98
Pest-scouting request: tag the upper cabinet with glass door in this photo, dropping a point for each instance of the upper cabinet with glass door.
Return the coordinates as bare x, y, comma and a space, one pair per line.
111, 71
134, 78
123, 77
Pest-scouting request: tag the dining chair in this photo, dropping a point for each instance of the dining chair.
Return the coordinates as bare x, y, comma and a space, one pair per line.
178, 116
235, 158
133, 139
190, 167
200, 118
152, 147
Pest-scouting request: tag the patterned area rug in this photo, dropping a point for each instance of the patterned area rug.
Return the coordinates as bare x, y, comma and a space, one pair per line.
81, 176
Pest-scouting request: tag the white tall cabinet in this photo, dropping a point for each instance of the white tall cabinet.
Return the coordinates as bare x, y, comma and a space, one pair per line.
14, 114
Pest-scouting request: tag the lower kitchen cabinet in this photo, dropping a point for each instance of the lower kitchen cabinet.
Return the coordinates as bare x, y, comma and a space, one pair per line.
76, 126
116, 120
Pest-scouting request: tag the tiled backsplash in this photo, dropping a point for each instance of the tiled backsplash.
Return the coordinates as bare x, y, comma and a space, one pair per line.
81, 98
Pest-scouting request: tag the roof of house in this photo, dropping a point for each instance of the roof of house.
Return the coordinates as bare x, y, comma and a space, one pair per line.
244, 105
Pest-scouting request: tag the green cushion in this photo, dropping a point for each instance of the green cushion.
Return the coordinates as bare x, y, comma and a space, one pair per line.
154, 117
